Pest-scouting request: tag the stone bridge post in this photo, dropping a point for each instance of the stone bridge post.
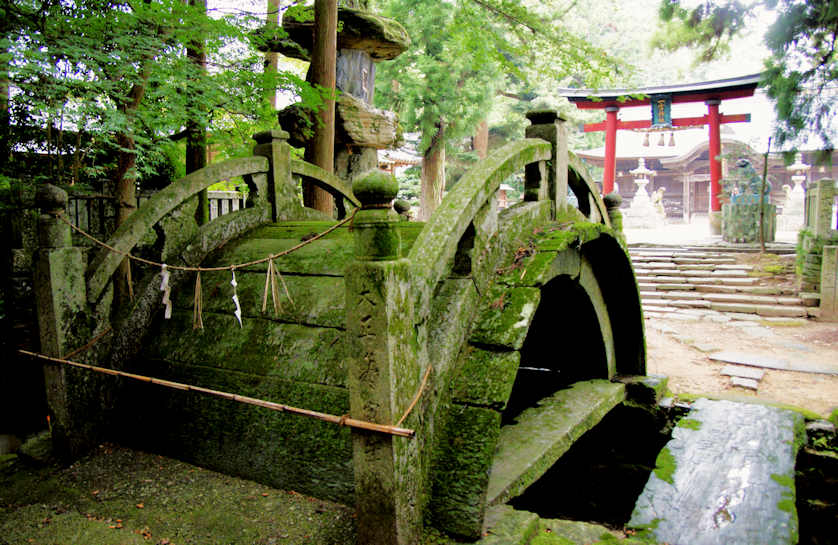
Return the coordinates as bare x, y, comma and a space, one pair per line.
61, 300
383, 370
282, 192
549, 126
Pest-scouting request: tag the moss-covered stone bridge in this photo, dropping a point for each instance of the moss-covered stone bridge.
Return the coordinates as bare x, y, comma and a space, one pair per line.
480, 326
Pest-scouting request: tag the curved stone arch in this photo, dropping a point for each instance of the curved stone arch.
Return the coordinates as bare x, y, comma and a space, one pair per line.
254, 170
615, 276
485, 375
326, 181
580, 181
434, 249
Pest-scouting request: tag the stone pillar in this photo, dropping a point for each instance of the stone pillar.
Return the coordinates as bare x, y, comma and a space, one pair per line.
610, 167
549, 126
61, 300
821, 223
715, 149
384, 371
829, 284
282, 192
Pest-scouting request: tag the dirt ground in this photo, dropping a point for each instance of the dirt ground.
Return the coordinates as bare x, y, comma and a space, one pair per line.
677, 349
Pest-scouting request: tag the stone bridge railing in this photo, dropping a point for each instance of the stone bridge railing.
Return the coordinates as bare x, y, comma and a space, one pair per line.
272, 195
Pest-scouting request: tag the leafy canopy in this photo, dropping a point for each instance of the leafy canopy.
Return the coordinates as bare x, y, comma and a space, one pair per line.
801, 73
465, 51
100, 69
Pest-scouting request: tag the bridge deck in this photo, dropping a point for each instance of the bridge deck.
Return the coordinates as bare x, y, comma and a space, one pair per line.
726, 477
544, 433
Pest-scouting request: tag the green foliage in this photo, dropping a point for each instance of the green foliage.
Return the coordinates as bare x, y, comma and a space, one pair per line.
800, 72
88, 72
464, 52
410, 185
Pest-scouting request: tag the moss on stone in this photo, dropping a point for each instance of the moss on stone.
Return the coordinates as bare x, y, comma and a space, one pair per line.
505, 316
665, 466
485, 377
117, 495
261, 347
280, 449
461, 469
689, 397
690, 423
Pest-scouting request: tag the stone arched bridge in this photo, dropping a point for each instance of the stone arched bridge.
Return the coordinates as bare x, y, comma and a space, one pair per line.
477, 326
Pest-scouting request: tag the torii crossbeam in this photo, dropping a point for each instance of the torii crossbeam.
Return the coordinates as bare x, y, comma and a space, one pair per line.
661, 99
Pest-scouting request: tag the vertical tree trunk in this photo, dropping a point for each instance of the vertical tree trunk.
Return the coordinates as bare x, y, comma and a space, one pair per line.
433, 173
321, 149
480, 143
126, 203
5, 143
196, 139
272, 59
125, 180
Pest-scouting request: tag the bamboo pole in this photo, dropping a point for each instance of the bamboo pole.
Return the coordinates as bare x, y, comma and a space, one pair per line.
340, 420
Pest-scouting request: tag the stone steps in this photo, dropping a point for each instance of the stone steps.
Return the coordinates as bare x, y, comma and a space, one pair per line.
702, 491
542, 434
672, 280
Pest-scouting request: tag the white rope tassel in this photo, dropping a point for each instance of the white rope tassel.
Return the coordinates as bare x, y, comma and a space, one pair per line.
164, 287
238, 311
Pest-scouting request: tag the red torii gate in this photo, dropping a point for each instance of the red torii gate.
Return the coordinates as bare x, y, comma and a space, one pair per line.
661, 99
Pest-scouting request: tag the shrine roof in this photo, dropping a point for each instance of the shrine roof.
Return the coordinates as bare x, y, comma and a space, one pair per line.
739, 87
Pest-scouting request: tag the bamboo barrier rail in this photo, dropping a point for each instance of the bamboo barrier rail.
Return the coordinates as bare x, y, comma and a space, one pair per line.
279, 407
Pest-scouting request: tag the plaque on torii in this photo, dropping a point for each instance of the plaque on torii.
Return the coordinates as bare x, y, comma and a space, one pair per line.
660, 100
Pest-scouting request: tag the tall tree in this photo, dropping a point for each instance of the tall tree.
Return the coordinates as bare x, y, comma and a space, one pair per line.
802, 69
321, 149
271, 58
196, 130
462, 52
116, 72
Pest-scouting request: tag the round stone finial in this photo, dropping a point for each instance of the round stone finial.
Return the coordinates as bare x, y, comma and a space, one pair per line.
50, 197
375, 188
401, 206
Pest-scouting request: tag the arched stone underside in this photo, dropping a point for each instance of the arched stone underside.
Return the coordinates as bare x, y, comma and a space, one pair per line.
564, 315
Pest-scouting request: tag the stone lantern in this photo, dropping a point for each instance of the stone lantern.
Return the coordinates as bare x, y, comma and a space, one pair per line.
363, 39
792, 218
642, 213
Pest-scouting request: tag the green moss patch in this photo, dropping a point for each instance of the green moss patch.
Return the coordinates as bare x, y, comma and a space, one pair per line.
117, 495
690, 423
665, 466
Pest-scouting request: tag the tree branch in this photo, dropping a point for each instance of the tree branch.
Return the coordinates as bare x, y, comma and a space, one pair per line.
507, 16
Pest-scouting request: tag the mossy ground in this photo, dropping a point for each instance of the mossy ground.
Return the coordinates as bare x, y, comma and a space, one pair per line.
117, 495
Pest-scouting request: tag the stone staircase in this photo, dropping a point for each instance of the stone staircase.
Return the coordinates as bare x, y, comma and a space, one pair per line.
699, 282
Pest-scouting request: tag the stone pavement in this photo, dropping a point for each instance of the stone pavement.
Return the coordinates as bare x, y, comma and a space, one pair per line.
718, 482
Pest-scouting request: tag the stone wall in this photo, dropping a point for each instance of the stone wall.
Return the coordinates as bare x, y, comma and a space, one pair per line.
818, 232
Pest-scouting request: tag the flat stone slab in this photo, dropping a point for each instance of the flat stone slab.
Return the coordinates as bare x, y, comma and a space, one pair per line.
725, 478
748, 383
767, 362
743, 372
542, 434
